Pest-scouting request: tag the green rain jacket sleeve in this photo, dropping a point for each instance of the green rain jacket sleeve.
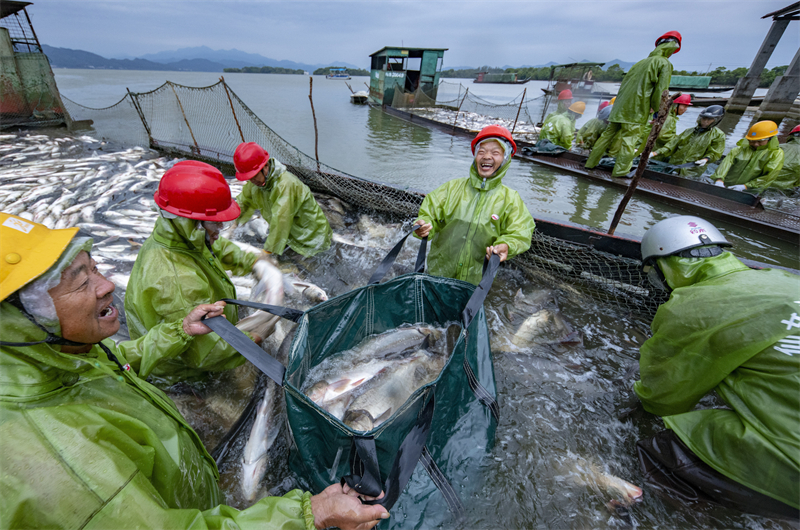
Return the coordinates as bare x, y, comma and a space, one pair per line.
590, 132
233, 258
162, 342
286, 200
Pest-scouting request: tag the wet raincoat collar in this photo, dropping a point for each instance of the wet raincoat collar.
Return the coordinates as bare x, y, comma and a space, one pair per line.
179, 233
480, 183
682, 272
772, 145
275, 170
665, 50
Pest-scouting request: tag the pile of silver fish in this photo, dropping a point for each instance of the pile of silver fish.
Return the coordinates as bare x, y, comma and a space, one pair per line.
364, 385
472, 121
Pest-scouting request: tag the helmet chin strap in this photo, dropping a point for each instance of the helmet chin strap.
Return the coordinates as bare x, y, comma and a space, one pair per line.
53, 339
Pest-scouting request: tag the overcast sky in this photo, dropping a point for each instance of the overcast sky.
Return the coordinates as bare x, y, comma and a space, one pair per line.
716, 33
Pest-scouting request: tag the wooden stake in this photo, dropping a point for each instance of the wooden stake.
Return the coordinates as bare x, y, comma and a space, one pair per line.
658, 123
224, 84
197, 147
459, 108
314, 115
519, 109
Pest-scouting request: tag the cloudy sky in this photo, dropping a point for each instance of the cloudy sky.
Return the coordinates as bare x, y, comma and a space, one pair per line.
715, 33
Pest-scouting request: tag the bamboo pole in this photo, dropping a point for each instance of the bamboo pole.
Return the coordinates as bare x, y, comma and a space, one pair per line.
459, 108
519, 109
658, 123
314, 115
197, 147
136, 106
225, 85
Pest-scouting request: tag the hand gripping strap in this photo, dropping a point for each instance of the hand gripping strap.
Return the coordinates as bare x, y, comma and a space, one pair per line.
365, 475
388, 261
284, 312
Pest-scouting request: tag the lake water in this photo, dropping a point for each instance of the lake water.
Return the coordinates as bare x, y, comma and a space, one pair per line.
368, 143
560, 404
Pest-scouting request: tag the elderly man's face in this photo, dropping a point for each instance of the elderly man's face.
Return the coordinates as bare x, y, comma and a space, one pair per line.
489, 158
83, 304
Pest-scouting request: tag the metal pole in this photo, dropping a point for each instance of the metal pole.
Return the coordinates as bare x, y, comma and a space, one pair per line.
519, 109
459, 108
197, 147
314, 115
658, 123
135, 104
225, 85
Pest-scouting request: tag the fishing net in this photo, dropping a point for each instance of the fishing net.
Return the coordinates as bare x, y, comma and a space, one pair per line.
208, 123
119, 123
470, 113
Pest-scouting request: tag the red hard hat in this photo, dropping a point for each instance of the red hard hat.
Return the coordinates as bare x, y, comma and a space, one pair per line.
673, 34
565, 94
684, 99
249, 159
603, 105
795, 130
198, 191
494, 131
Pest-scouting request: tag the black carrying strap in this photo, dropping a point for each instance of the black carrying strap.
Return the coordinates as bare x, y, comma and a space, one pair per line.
284, 312
388, 261
365, 475
271, 367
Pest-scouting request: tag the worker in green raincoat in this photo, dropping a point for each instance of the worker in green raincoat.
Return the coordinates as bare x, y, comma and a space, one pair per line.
789, 176
84, 441
702, 144
559, 128
295, 219
471, 218
592, 129
734, 331
564, 101
755, 161
639, 95
182, 264
670, 128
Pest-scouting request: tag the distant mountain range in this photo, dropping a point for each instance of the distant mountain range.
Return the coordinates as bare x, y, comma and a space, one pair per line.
204, 59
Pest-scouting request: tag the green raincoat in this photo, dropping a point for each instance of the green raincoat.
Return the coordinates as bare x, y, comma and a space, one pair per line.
668, 131
468, 215
559, 129
85, 445
755, 168
590, 132
789, 175
692, 145
295, 219
175, 272
639, 92
735, 331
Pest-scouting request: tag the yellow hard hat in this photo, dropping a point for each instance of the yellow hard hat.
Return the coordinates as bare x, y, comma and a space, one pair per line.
27, 250
762, 130
613, 100
579, 107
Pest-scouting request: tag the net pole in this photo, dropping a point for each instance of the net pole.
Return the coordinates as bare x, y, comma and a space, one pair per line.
225, 86
519, 109
197, 147
314, 116
135, 103
658, 123
459, 108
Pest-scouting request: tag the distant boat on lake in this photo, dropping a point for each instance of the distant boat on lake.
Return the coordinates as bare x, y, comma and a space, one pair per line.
337, 73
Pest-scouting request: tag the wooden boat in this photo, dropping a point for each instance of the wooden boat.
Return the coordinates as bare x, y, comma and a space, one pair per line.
500, 78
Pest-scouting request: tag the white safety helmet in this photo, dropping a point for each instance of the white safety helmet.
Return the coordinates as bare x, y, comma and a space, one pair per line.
677, 235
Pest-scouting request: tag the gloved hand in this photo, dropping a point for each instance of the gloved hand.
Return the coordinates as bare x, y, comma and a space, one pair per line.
652, 154
701, 162
720, 183
737, 187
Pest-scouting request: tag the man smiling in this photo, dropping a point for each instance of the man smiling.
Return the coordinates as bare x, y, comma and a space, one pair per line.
477, 216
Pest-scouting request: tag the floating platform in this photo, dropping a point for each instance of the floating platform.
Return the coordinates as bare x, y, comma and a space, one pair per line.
706, 200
